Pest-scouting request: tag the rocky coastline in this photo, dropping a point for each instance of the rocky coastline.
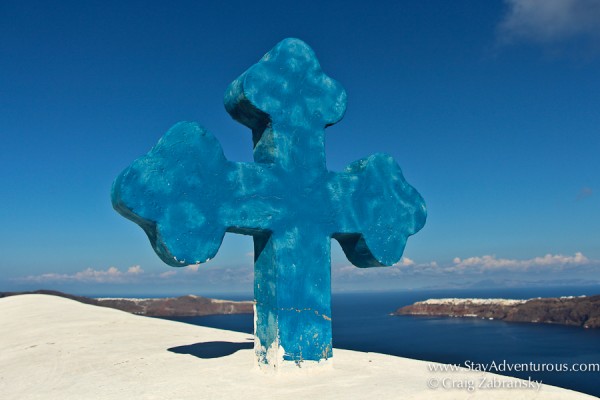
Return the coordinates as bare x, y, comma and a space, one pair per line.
581, 311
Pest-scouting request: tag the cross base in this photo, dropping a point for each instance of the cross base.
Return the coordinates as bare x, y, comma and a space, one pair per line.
292, 290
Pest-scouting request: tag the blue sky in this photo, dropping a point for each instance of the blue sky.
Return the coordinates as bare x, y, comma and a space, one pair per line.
490, 108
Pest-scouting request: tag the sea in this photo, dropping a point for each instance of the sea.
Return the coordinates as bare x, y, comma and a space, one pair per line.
363, 322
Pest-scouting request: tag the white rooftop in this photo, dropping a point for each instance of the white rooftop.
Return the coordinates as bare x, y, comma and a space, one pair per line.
54, 348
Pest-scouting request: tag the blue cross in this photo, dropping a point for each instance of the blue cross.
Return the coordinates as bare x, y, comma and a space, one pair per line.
185, 195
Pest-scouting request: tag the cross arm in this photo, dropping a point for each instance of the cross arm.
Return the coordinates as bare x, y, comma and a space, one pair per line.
185, 195
377, 211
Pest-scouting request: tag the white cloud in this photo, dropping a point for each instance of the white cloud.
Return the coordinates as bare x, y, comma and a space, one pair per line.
112, 275
210, 275
475, 265
488, 262
192, 268
167, 274
404, 267
406, 262
550, 21
200, 276
135, 270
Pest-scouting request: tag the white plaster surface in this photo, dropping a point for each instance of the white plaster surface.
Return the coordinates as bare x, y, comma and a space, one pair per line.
54, 348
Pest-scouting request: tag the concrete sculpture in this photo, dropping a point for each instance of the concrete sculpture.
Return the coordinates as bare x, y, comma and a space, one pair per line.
185, 195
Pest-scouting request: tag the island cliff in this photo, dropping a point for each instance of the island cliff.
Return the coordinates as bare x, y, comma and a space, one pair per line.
184, 306
578, 311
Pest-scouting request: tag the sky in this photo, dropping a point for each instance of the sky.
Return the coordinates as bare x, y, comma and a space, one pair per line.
491, 108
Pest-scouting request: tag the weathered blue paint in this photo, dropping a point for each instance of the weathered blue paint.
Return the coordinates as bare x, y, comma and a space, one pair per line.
185, 195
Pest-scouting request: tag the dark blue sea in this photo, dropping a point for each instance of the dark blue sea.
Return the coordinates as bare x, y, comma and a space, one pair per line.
362, 322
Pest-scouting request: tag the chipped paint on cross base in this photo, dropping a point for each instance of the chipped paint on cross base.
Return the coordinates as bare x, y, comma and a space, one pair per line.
272, 360
185, 195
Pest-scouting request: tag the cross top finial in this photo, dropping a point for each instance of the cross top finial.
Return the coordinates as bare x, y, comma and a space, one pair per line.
287, 100
185, 195
288, 88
